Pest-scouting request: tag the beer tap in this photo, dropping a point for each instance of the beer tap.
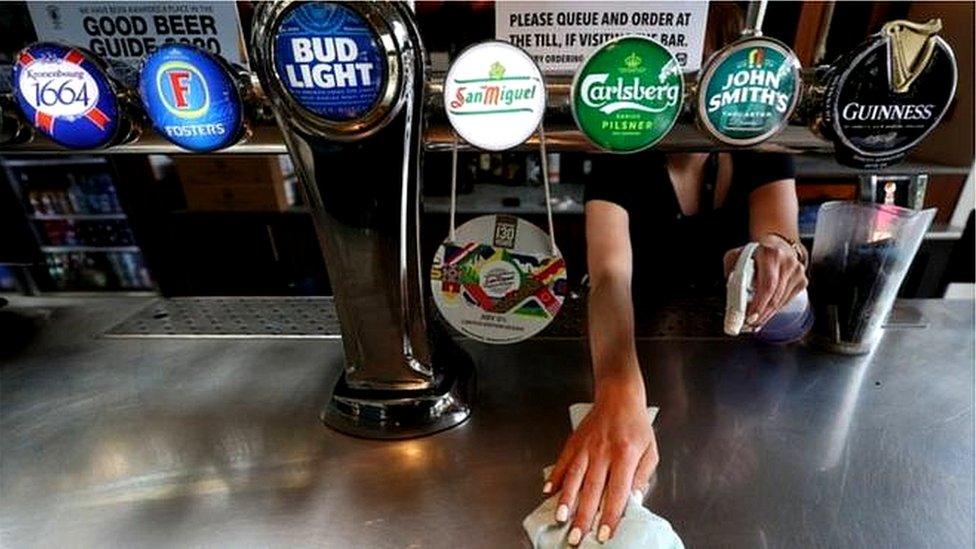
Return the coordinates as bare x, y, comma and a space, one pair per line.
346, 82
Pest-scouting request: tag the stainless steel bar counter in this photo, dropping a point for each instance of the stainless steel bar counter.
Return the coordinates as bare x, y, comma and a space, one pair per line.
216, 442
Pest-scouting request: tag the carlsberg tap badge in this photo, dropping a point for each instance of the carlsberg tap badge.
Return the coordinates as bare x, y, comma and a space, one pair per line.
628, 94
748, 90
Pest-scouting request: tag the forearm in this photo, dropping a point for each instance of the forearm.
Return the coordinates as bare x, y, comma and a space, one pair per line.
773, 209
616, 371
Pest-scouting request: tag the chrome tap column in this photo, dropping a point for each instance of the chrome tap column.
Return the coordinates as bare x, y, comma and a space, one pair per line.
346, 81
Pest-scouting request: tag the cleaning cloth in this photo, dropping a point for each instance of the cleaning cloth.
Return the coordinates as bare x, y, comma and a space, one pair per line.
637, 528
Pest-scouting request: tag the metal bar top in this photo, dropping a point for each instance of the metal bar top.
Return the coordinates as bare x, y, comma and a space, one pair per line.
111, 442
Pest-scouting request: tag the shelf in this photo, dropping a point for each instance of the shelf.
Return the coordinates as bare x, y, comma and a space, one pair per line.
51, 147
76, 217
63, 249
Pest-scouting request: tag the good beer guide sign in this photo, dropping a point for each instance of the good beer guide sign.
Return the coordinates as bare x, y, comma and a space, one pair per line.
128, 31
559, 35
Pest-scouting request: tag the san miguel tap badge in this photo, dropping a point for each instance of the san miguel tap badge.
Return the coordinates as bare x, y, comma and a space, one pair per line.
498, 281
886, 96
748, 90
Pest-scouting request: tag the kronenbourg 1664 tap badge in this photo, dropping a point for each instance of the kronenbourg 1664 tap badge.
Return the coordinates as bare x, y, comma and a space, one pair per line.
499, 281
494, 95
888, 94
329, 60
628, 94
748, 91
66, 95
192, 98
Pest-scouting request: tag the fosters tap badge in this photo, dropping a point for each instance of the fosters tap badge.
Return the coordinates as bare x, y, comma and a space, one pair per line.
628, 94
494, 95
66, 95
747, 92
192, 98
329, 60
498, 282
884, 97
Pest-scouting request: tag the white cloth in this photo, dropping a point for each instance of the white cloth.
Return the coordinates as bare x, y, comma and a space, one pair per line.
637, 528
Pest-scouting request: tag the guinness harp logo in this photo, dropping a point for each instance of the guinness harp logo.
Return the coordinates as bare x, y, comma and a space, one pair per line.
910, 49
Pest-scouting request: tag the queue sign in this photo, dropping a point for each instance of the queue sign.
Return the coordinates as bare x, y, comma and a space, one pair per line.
888, 94
494, 95
193, 98
748, 91
627, 95
67, 95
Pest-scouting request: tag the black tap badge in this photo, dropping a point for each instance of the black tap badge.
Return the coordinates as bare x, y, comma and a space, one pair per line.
887, 95
329, 59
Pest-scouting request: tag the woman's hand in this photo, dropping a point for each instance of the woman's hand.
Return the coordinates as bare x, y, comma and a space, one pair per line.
779, 277
611, 453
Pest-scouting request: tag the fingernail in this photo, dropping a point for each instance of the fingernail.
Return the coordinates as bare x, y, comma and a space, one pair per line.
546, 488
639, 494
562, 513
575, 535
604, 534
752, 318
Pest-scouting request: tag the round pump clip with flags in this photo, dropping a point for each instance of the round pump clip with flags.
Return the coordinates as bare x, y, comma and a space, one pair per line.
499, 281
748, 90
67, 94
494, 95
194, 98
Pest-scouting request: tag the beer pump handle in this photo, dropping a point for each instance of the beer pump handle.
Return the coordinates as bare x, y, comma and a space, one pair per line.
755, 14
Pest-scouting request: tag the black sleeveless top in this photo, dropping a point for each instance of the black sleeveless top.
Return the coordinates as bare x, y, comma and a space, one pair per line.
677, 255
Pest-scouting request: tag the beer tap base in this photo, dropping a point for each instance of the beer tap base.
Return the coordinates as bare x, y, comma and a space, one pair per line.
401, 414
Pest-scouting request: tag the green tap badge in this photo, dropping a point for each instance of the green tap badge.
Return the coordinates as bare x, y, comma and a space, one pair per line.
628, 94
748, 90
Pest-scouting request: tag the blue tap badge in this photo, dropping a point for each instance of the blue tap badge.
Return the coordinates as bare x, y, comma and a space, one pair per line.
66, 95
329, 60
192, 98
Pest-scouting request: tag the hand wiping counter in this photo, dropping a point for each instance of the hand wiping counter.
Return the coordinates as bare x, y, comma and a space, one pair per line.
638, 527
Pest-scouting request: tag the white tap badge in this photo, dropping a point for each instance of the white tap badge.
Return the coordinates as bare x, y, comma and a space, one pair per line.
128, 31
498, 282
494, 96
560, 35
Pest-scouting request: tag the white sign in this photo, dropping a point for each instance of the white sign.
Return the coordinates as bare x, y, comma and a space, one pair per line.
128, 31
494, 96
559, 35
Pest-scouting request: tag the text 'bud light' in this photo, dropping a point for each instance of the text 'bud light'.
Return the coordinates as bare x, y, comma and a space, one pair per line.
329, 60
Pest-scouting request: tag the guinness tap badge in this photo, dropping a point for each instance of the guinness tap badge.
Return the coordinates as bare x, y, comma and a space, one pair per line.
888, 94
